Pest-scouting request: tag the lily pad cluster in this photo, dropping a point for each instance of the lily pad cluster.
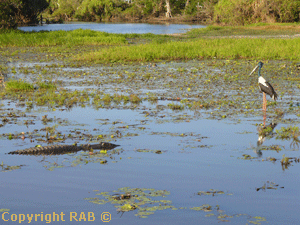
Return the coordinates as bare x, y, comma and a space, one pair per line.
145, 201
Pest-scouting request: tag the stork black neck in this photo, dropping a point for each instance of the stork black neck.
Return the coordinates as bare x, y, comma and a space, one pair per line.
260, 65
259, 71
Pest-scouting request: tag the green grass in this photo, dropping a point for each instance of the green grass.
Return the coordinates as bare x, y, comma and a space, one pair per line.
60, 38
226, 48
43, 85
213, 42
259, 29
18, 85
22, 86
175, 106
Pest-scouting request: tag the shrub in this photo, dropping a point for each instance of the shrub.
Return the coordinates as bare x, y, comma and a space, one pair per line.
241, 12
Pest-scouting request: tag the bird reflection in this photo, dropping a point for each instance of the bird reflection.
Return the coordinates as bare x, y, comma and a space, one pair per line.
264, 132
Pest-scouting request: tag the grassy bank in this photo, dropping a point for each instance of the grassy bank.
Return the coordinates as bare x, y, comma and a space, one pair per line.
275, 30
259, 42
59, 38
226, 48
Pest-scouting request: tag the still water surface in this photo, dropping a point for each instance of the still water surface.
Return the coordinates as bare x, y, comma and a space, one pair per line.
197, 155
121, 28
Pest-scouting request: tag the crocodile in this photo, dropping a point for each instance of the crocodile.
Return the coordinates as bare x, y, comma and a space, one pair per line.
62, 149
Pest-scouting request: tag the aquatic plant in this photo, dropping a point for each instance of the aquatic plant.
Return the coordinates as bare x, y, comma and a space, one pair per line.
44, 85
4, 210
135, 99
6, 168
144, 200
205, 208
212, 192
18, 85
288, 132
174, 106
268, 185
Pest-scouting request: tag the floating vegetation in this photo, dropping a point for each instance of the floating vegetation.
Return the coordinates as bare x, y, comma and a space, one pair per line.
77, 85
149, 150
222, 217
258, 220
276, 148
4, 210
135, 99
287, 161
247, 157
145, 200
287, 133
18, 85
175, 106
269, 185
205, 208
43, 85
6, 168
212, 192
272, 159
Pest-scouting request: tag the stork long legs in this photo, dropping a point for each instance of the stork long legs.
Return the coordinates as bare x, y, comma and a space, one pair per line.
265, 107
264, 102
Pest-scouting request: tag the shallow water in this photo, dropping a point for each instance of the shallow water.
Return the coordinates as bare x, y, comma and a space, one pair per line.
121, 28
200, 164
198, 154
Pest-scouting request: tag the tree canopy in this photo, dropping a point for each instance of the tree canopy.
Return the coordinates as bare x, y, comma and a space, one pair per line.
13, 12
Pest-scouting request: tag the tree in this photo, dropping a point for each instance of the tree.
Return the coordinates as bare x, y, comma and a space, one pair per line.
241, 12
13, 12
7, 13
29, 10
168, 7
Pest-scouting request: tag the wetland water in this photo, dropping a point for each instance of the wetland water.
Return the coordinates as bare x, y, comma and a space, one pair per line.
121, 28
188, 144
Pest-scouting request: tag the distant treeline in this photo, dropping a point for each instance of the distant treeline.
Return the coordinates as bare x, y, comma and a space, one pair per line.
129, 10
229, 12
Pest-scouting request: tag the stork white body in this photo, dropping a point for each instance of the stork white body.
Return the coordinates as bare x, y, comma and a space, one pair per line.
262, 81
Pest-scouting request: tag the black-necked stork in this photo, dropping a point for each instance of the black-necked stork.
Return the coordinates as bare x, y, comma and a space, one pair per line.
264, 86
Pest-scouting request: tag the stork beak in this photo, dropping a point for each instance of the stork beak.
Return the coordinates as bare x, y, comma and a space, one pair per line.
253, 70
